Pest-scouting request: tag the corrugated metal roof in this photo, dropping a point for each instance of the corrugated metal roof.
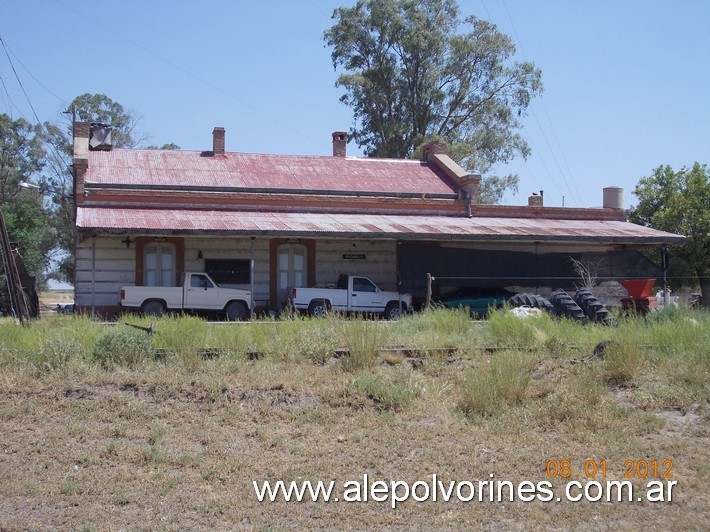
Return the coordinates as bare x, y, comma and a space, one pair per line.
364, 225
177, 168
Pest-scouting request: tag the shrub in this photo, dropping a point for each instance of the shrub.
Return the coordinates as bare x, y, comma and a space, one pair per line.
363, 339
317, 345
589, 386
123, 347
55, 352
622, 362
503, 382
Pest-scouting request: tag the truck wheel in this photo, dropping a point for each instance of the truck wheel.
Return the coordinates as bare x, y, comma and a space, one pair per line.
236, 311
153, 308
318, 309
392, 311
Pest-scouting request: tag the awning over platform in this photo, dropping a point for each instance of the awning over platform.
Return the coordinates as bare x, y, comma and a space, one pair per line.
290, 224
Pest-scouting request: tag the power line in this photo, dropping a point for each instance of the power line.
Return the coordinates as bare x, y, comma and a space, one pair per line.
9, 103
573, 189
51, 145
33, 76
544, 165
554, 158
18, 80
532, 144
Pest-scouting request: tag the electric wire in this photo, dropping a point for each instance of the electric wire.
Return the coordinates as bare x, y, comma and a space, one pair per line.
529, 141
52, 147
7, 103
12, 65
49, 91
573, 189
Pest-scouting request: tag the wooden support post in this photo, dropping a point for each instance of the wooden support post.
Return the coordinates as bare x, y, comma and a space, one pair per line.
427, 303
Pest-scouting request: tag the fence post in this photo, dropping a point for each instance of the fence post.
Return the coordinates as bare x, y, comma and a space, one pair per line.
427, 303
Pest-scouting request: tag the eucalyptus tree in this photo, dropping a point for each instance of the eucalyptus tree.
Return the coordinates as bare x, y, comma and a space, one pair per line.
414, 71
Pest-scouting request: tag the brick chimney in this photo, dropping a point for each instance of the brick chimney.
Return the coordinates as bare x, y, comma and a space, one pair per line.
435, 147
80, 158
218, 140
535, 200
340, 141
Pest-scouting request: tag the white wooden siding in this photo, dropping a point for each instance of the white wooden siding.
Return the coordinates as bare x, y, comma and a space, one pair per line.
380, 263
115, 266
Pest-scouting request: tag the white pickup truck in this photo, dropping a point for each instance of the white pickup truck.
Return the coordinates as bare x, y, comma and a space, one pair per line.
352, 294
198, 293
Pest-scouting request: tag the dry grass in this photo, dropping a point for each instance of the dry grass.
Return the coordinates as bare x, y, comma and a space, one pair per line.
176, 443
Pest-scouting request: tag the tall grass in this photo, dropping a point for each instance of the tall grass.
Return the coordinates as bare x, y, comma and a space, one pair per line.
363, 339
123, 347
48, 344
502, 382
670, 345
181, 337
506, 330
436, 328
623, 362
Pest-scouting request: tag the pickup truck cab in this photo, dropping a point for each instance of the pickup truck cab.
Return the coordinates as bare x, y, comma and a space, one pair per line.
197, 293
353, 293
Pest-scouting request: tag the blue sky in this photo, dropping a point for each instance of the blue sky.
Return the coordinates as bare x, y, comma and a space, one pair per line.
626, 82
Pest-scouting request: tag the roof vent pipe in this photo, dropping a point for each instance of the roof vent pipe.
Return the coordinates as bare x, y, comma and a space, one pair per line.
613, 198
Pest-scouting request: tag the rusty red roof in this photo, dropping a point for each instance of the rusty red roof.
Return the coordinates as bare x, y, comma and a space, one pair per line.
167, 221
191, 169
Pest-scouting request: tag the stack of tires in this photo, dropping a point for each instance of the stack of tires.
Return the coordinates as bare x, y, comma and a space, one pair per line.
566, 306
580, 306
591, 306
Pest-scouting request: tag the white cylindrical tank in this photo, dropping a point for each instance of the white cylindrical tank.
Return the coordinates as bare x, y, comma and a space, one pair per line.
613, 198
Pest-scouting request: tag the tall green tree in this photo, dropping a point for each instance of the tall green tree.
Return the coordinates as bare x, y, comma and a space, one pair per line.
679, 202
102, 109
414, 70
27, 220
